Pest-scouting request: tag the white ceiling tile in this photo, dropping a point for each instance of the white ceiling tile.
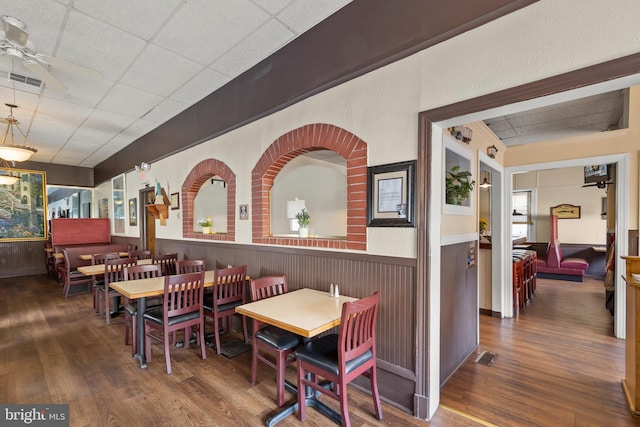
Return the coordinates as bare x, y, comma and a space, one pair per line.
45, 129
91, 137
141, 18
138, 128
272, 6
81, 91
107, 121
301, 15
189, 31
102, 47
206, 82
55, 109
160, 71
166, 110
129, 101
253, 49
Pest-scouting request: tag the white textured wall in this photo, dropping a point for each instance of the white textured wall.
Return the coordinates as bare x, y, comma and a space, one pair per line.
541, 40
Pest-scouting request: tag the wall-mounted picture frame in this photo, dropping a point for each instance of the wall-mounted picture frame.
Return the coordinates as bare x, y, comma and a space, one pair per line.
391, 194
458, 183
175, 201
25, 218
243, 212
566, 211
133, 212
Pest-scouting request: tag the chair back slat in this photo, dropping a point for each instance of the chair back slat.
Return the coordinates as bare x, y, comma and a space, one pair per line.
140, 254
268, 286
190, 266
141, 271
99, 259
114, 269
183, 294
167, 263
230, 285
358, 328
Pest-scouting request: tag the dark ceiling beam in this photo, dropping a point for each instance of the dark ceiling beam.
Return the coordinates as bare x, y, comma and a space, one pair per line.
361, 37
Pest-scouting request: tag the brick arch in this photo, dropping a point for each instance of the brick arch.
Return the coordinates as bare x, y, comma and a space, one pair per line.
312, 137
200, 173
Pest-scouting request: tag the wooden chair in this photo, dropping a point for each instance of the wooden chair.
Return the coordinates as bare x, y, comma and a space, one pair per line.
189, 266
182, 308
140, 254
228, 293
277, 343
136, 272
100, 259
72, 277
167, 263
113, 272
340, 358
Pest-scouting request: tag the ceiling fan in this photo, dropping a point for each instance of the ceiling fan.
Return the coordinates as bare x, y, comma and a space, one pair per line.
14, 42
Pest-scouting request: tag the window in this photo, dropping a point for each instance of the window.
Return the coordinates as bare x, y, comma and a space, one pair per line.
521, 218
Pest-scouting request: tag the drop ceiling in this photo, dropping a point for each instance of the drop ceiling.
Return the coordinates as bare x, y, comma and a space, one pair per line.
156, 57
597, 113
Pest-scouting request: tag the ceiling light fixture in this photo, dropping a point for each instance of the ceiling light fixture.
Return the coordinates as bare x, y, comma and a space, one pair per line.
485, 183
492, 150
7, 176
8, 149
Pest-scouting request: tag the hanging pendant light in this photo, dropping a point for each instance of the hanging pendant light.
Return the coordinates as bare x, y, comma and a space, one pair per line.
9, 151
7, 176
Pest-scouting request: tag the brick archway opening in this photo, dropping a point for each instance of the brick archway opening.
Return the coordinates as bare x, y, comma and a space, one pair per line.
200, 173
312, 137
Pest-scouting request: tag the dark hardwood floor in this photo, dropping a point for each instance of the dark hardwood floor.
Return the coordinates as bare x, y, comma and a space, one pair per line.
557, 365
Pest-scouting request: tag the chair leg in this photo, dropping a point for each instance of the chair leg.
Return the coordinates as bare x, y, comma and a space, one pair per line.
344, 406
244, 329
200, 335
280, 365
254, 361
216, 326
302, 414
167, 355
107, 307
374, 392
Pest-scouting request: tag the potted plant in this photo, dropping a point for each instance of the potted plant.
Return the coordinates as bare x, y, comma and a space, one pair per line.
458, 186
303, 221
205, 223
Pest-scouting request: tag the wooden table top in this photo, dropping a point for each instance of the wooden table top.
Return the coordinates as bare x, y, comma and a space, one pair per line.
305, 312
134, 289
96, 270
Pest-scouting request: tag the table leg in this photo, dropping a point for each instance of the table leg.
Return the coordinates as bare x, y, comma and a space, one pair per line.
140, 356
311, 401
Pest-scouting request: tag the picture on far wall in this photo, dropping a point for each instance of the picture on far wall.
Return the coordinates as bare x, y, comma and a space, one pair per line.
103, 208
133, 212
244, 212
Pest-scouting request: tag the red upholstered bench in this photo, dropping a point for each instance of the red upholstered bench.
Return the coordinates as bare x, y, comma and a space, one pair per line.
557, 267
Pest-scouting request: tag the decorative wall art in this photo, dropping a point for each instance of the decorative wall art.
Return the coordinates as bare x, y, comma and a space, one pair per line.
391, 194
133, 212
23, 207
566, 211
175, 201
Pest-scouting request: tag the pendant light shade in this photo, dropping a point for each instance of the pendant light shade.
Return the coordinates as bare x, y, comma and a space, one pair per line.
9, 151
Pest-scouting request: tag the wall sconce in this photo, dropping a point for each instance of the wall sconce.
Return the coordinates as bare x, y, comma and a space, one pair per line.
293, 208
492, 151
143, 169
462, 133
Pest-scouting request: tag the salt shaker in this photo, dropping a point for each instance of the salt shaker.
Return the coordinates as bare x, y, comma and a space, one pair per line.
336, 292
331, 291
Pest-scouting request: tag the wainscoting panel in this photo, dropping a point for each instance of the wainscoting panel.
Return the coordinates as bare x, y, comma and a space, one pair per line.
22, 259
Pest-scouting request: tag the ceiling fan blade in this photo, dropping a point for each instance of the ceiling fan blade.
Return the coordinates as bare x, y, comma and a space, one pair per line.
44, 75
61, 63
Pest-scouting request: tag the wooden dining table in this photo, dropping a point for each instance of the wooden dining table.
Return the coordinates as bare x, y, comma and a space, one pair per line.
305, 312
96, 270
140, 290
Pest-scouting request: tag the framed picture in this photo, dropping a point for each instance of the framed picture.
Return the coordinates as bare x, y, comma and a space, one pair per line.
458, 183
103, 208
566, 211
24, 216
133, 212
390, 195
175, 201
244, 212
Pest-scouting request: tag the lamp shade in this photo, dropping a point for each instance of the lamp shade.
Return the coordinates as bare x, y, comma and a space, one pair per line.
15, 153
294, 207
7, 178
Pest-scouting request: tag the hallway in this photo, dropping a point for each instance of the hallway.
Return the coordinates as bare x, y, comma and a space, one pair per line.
557, 364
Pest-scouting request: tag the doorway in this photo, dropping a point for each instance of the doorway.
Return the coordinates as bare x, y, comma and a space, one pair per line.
148, 221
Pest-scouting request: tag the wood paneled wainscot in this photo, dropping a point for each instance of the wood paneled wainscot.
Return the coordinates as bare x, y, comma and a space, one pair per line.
631, 381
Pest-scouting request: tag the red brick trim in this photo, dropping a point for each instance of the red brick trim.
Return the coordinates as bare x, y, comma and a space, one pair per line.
318, 136
200, 173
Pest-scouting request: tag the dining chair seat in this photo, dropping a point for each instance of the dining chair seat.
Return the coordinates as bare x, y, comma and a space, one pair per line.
278, 338
155, 315
323, 353
208, 304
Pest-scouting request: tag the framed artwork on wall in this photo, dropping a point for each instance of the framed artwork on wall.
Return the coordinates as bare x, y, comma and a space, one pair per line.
244, 212
25, 216
566, 211
175, 201
133, 212
391, 194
